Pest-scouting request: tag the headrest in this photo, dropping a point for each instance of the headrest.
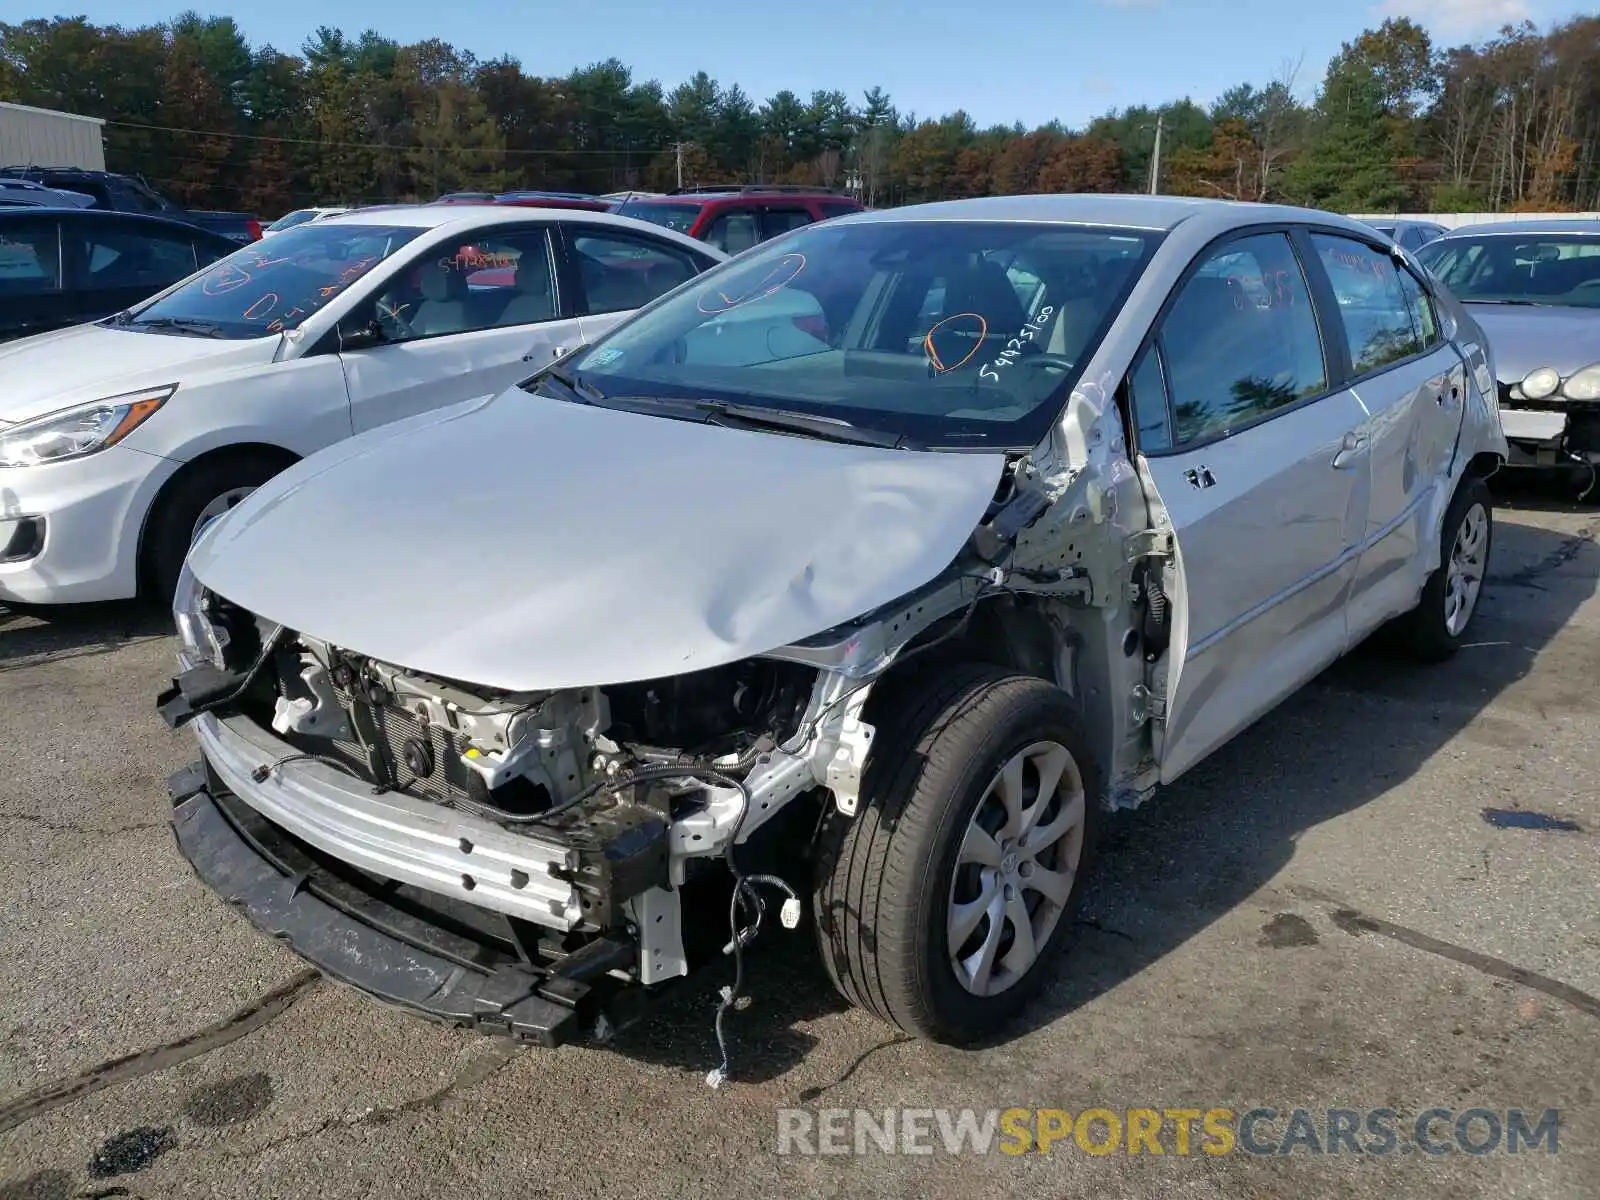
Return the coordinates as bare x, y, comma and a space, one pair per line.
532, 277
443, 285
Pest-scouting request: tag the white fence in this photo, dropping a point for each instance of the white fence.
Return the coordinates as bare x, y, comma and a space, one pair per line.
1454, 220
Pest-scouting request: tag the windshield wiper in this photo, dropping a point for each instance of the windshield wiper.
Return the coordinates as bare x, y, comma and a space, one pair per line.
581, 391
183, 325
833, 429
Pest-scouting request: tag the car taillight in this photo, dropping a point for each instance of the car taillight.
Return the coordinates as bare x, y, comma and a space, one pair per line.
253, 227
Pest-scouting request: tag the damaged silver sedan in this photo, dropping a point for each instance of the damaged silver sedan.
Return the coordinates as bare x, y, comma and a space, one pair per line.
857, 577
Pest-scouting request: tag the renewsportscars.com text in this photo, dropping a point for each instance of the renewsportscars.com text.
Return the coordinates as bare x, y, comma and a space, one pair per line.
1166, 1131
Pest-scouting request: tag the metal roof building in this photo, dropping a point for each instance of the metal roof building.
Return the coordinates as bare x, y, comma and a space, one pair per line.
38, 137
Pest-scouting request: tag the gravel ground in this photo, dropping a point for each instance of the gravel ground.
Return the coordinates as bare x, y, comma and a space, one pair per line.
1320, 915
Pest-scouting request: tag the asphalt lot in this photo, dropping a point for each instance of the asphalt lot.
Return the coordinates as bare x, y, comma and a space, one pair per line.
1321, 915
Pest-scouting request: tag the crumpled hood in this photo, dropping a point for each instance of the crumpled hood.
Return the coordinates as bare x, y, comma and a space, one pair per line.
1524, 339
84, 363
527, 543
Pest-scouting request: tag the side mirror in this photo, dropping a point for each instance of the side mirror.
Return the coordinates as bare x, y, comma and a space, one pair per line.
362, 337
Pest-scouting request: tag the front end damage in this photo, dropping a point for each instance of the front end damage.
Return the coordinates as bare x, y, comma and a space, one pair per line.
534, 863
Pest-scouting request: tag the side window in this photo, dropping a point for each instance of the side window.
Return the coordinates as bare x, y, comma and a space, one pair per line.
30, 257
734, 232
134, 258
1241, 339
780, 220
621, 271
838, 208
1420, 306
206, 253
1147, 393
1377, 320
487, 281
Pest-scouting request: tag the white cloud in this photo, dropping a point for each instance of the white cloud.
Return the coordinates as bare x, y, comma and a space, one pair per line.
1457, 18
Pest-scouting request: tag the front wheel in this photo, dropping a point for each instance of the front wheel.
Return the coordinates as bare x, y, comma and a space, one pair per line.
941, 904
203, 493
1436, 628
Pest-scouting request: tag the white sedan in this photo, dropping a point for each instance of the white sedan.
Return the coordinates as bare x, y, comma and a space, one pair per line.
119, 439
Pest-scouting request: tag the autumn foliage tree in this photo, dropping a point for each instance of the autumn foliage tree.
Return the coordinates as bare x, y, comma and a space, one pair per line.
1512, 122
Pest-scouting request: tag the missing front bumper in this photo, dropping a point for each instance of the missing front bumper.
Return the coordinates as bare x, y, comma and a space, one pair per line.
398, 944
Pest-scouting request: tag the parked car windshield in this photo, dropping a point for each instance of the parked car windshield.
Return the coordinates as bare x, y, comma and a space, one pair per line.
1502, 268
947, 333
674, 216
274, 285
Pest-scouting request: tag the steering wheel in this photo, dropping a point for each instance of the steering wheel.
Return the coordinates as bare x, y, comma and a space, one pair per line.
389, 319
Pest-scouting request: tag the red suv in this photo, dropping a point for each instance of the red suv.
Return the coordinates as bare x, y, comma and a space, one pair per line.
734, 218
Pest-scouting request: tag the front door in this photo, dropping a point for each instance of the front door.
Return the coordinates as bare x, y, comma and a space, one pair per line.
1250, 447
467, 320
1412, 388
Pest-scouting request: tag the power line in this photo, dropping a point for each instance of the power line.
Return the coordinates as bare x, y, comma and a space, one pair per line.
259, 137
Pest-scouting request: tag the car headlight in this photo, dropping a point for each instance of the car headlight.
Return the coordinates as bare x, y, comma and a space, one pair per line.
80, 430
1584, 384
1540, 383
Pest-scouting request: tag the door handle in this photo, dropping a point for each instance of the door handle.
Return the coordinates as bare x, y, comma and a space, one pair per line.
1199, 477
1355, 445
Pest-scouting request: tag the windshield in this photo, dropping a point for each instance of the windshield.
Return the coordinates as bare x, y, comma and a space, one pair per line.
275, 285
1501, 268
674, 216
949, 334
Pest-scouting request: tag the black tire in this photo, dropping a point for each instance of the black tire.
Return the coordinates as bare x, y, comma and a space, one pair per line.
170, 529
883, 877
1425, 631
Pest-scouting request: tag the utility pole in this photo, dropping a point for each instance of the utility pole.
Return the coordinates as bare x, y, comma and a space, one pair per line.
678, 146
1155, 159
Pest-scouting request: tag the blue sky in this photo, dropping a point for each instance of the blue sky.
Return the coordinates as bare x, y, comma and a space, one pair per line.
1002, 62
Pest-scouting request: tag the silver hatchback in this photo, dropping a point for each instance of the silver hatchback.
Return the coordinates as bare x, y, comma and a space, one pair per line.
858, 575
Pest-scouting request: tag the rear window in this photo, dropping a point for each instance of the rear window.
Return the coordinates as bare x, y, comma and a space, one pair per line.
679, 217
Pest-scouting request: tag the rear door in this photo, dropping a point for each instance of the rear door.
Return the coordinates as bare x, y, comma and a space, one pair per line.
34, 284
119, 262
1247, 440
462, 320
614, 272
1412, 386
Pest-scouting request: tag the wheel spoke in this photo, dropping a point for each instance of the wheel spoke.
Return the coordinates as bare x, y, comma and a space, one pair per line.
1010, 786
1022, 953
979, 847
1051, 766
964, 918
1068, 817
981, 965
1054, 886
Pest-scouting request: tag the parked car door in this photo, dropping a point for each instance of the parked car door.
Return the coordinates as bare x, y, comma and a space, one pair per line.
33, 292
465, 319
1249, 443
1412, 386
116, 262
616, 271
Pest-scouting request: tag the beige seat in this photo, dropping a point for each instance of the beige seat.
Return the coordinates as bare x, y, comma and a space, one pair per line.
533, 299
443, 308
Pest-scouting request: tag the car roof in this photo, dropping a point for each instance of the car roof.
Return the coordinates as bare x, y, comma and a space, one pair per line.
488, 216
1154, 213
1556, 227
121, 218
